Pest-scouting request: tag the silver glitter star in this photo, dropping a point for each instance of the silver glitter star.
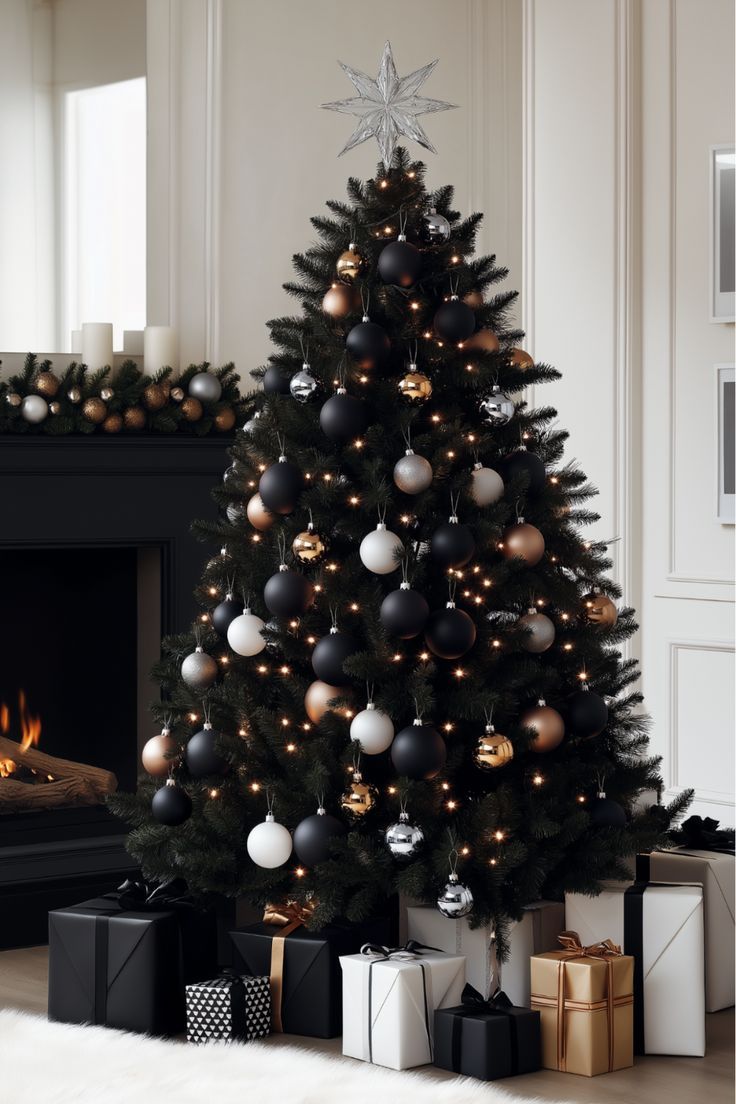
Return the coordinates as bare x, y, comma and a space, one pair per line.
388, 106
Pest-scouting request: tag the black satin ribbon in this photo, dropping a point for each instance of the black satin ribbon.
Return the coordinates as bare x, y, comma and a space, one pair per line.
473, 1004
703, 834
412, 949
144, 897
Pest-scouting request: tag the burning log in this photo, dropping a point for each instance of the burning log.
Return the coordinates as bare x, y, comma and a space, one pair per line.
67, 783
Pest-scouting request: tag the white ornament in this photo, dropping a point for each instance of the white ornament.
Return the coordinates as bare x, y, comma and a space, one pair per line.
372, 729
380, 550
486, 487
34, 409
269, 844
244, 634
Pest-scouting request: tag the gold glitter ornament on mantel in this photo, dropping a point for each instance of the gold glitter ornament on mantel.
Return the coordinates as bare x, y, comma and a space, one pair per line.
94, 410
46, 384
134, 418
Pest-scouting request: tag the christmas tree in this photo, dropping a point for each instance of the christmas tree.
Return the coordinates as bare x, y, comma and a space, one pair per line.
405, 626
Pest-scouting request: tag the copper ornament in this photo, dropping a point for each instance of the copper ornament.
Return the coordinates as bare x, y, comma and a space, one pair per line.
523, 541
160, 754
154, 397
113, 423
47, 384
415, 386
350, 264
134, 418
547, 724
600, 610
225, 419
308, 546
94, 410
317, 698
192, 409
259, 517
521, 359
484, 340
339, 301
493, 750
13, 398
473, 299
54, 407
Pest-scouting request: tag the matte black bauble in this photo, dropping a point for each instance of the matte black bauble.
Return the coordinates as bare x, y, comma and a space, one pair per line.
329, 655
344, 417
171, 805
450, 633
452, 545
400, 263
368, 344
224, 613
454, 321
201, 755
276, 381
280, 487
523, 462
418, 752
313, 835
587, 714
404, 613
605, 813
288, 594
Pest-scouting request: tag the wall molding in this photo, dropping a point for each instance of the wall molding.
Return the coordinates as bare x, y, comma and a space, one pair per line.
213, 179
528, 116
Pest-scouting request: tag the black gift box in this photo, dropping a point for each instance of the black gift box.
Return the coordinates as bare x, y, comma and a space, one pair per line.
487, 1039
127, 967
228, 1007
311, 987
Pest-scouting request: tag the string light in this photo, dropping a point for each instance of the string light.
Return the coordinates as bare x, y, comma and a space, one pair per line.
318, 588
308, 475
459, 673
214, 793
255, 786
492, 862
445, 786
353, 500
487, 583
583, 676
495, 643
354, 607
251, 483
464, 850
300, 872
311, 640
391, 790
262, 669
538, 780
454, 258
242, 732
204, 618
261, 467
285, 722
294, 624
225, 659
411, 174
498, 835
291, 747
358, 444
553, 479
414, 306
565, 617
397, 657
451, 454
383, 184
307, 726
333, 566
580, 799
327, 477
213, 591
424, 656
193, 717
448, 726
567, 647
256, 538
436, 418
469, 368
387, 230
451, 805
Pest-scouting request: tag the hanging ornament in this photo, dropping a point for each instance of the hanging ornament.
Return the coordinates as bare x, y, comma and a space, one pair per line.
606, 813
522, 541
546, 723
415, 386
160, 754
280, 486
486, 486
201, 754
452, 544
381, 550
34, 409
520, 359
474, 299
359, 797
339, 301
257, 514
225, 613
232, 474
350, 264
418, 751
329, 655
600, 610
540, 631
192, 410
450, 632
497, 408
412, 474
113, 423
206, 387
224, 419
454, 321
435, 228
134, 417
244, 634
288, 593
252, 424
404, 839
344, 417
171, 805
368, 343
314, 834
276, 380
456, 900
587, 713
199, 670
483, 340
154, 396
318, 697
234, 512
46, 384
269, 843
404, 612
522, 462
372, 729
308, 546
493, 749
400, 262
304, 387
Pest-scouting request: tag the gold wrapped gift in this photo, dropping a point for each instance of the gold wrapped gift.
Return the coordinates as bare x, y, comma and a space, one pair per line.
585, 997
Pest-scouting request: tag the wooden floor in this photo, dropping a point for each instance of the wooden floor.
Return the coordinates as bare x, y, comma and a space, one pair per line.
653, 1080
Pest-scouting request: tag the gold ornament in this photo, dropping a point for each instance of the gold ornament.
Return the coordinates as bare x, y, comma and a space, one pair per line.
160, 754
113, 423
317, 697
134, 418
359, 798
547, 724
13, 399
94, 410
225, 419
192, 409
259, 517
106, 394
308, 546
349, 264
54, 407
521, 359
524, 542
177, 394
415, 386
47, 384
339, 301
74, 395
484, 340
166, 385
493, 750
154, 397
600, 610
474, 299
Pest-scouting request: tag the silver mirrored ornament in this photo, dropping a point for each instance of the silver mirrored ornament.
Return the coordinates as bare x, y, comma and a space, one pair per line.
486, 486
34, 409
497, 407
412, 474
404, 839
235, 512
435, 228
199, 670
456, 899
106, 394
205, 387
540, 633
252, 424
303, 386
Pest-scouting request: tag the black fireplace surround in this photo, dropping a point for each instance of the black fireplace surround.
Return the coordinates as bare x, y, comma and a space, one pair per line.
62, 500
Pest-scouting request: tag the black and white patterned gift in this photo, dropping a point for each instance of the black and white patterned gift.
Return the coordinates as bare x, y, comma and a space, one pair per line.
229, 1007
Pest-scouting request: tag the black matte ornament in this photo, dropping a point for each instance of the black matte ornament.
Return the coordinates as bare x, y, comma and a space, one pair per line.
400, 263
454, 321
276, 381
202, 757
288, 594
450, 633
368, 344
404, 613
171, 805
313, 835
606, 813
344, 417
523, 462
280, 487
452, 545
329, 655
224, 613
587, 714
418, 752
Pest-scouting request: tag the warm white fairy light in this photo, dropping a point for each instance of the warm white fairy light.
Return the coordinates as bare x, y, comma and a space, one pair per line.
255, 786
285, 722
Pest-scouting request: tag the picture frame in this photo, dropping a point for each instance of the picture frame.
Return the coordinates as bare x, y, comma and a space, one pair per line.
726, 382
722, 233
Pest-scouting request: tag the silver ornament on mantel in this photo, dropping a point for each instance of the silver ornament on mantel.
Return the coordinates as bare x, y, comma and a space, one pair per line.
387, 108
205, 387
435, 228
303, 386
497, 407
456, 900
199, 670
34, 409
486, 486
540, 631
412, 474
404, 839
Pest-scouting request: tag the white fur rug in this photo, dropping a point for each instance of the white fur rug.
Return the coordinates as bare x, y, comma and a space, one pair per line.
50, 1063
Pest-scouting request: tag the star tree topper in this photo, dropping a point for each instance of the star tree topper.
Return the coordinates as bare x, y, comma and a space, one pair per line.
387, 107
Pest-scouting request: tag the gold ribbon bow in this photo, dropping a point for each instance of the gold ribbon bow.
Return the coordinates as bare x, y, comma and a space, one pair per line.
288, 916
573, 948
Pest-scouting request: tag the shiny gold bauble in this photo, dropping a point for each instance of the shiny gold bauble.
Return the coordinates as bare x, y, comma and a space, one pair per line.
177, 394
74, 395
308, 546
474, 299
154, 397
106, 393
317, 697
225, 419
349, 265
13, 398
521, 359
54, 407
160, 754
339, 301
524, 542
493, 750
485, 340
94, 410
259, 517
358, 798
415, 386
600, 610
134, 417
547, 724
113, 423
192, 409
46, 383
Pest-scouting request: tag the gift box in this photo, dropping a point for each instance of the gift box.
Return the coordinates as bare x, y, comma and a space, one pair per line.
585, 998
661, 925
715, 872
389, 1001
229, 1007
487, 1039
127, 967
303, 966
536, 932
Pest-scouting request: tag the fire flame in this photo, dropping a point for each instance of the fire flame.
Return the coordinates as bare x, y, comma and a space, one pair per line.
30, 728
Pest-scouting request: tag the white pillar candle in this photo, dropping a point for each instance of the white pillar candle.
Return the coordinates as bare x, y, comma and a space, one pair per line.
160, 348
76, 342
97, 344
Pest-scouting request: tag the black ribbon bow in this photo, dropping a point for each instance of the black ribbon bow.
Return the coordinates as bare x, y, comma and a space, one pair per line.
473, 1001
473, 1004
703, 834
144, 897
411, 949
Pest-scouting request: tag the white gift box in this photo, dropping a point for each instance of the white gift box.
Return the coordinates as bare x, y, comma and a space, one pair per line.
715, 872
535, 933
669, 963
389, 1003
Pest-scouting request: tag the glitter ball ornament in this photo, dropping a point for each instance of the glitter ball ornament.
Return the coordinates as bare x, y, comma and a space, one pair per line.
154, 396
134, 417
269, 843
486, 486
206, 387
314, 835
160, 754
359, 797
257, 514
201, 754
497, 408
372, 729
192, 409
435, 228
524, 542
34, 409
381, 550
350, 264
600, 610
74, 394
493, 749
244, 634
540, 631
46, 384
413, 474
456, 899
171, 805
199, 670
415, 387
308, 546
55, 407
304, 387
13, 398
113, 423
454, 321
547, 725
403, 838
94, 410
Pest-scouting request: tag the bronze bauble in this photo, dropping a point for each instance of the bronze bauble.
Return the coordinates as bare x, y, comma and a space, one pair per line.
317, 697
160, 754
177, 394
154, 397
259, 517
13, 398
493, 750
225, 419
54, 407
113, 423
94, 410
339, 301
192, 409
358, 798
308, 546
485, 340
600, 610
349, 265
521, 359
523, 541
134, 418
548, 725
415, 386
74, 395
47, 384
474, 299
